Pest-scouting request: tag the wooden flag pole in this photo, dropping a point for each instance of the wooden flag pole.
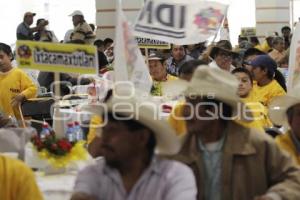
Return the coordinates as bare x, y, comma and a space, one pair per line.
147, 56
57, 86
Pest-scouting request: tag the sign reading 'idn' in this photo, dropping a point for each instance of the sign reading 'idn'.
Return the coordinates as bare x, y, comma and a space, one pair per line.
180, 21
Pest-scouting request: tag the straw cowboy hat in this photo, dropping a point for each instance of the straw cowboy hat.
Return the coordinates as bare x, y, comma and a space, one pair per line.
223, 45
279, 106
156, 56
148, 114
213, 83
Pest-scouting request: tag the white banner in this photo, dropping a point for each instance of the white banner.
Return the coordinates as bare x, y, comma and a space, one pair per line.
294, 60
180, 21
129, 62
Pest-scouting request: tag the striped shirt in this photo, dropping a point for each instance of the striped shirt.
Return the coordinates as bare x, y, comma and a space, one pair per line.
162, 180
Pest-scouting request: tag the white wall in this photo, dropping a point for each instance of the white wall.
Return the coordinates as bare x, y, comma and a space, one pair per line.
271, 16
106, 11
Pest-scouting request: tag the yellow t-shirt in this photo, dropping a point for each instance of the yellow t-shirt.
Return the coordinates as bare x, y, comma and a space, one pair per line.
259, 112
13, 83
264, 47
17, 182
95, 121
175, 120
157, 89
266, 93
285, 142
180, 125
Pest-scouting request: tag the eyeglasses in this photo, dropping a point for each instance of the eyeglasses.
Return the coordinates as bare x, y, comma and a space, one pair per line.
224, 55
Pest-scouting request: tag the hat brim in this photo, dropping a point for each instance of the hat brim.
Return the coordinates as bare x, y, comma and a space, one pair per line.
30, 14
278, 108
177, 87
155, 58
215, 50
167, 142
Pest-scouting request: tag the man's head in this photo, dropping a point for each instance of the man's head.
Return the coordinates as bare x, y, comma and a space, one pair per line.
178, 52
254, 40
202, 113
249, 55
28, 18
6, 57
263, 66
124, 140
223, 55
107, 43
186, 71
293, 116
286, 31
77, 17
245, 81
212, 99
100, 45
42, 23
157, 67
278, 44
129, 124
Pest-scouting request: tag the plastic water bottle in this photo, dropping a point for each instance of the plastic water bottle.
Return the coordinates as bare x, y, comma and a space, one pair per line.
45, 131
70, 132
78, 132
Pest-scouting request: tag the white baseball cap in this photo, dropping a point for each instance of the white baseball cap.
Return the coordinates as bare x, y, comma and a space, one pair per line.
76, 12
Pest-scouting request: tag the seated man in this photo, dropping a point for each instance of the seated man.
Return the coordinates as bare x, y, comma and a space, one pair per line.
231, 161
223, 56
17, 181
130, 168
289, 112
259, 112
158, 72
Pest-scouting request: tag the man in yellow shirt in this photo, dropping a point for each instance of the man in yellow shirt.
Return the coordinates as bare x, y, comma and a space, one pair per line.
15, 85
17, 181
265, 73
158, 72
286, 109
259, 112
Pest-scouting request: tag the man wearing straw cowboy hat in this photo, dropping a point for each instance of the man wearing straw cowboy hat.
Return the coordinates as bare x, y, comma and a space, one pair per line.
231, 161
286, 109
130, 169
223, 56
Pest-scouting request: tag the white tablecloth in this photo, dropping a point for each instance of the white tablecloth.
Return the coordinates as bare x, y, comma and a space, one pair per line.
56, 187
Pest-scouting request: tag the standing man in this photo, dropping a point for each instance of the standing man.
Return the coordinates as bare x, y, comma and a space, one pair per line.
130, 168
82, 30
24, 32
286, 34
231, 161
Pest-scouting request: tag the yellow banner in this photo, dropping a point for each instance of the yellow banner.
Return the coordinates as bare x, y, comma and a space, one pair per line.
152, 44
57, 57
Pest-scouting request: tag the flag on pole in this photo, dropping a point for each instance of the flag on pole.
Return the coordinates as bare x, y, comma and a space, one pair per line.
129, 65
294, 60
180, 21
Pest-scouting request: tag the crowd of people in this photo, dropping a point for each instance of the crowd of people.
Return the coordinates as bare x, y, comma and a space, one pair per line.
234, 132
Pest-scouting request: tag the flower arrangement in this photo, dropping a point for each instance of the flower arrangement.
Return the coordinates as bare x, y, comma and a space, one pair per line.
59, 152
